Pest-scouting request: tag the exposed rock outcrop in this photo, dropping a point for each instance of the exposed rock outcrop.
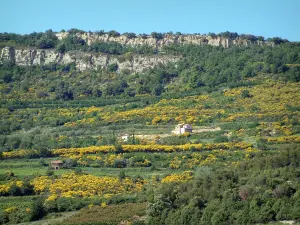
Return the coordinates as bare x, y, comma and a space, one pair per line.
82, 60
134, 63
91, 37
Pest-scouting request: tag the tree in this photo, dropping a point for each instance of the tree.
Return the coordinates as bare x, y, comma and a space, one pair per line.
130, 35
261, 143
65, 94
113, 67
121, 175
50, 172
118, 148
113, 33
48, 40
25, 85
157, 36
97, 92
157, 90
246, 94
46, 43
61, 47
37, 209
293, 74
278, 40
7, 78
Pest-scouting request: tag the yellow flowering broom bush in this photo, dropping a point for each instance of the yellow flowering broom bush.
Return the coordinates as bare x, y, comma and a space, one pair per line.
178, 178
85, 185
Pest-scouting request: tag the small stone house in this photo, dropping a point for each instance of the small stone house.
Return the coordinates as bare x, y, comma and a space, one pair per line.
56, 164
183, 128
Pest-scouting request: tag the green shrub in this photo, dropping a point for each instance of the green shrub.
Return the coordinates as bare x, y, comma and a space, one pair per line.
220, 139
38, 210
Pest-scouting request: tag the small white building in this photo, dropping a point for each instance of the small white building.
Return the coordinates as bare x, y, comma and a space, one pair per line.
125, 137
183, 128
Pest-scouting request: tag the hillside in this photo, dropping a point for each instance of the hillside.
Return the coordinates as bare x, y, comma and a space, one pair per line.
72, 97
74, 67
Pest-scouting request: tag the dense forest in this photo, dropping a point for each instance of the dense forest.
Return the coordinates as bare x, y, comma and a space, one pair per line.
111, 130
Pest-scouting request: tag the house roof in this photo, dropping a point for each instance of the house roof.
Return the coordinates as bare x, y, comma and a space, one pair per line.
188, 126
56, 162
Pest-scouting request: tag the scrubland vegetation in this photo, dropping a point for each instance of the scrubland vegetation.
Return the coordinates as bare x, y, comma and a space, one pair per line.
245, 173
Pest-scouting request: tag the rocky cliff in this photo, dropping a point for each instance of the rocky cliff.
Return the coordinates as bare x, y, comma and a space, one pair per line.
91, 37
82, 60
135, 63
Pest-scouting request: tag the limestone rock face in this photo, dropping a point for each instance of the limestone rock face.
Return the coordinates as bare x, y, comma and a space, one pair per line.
7, 55
168, 39
135, 63
82, 60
